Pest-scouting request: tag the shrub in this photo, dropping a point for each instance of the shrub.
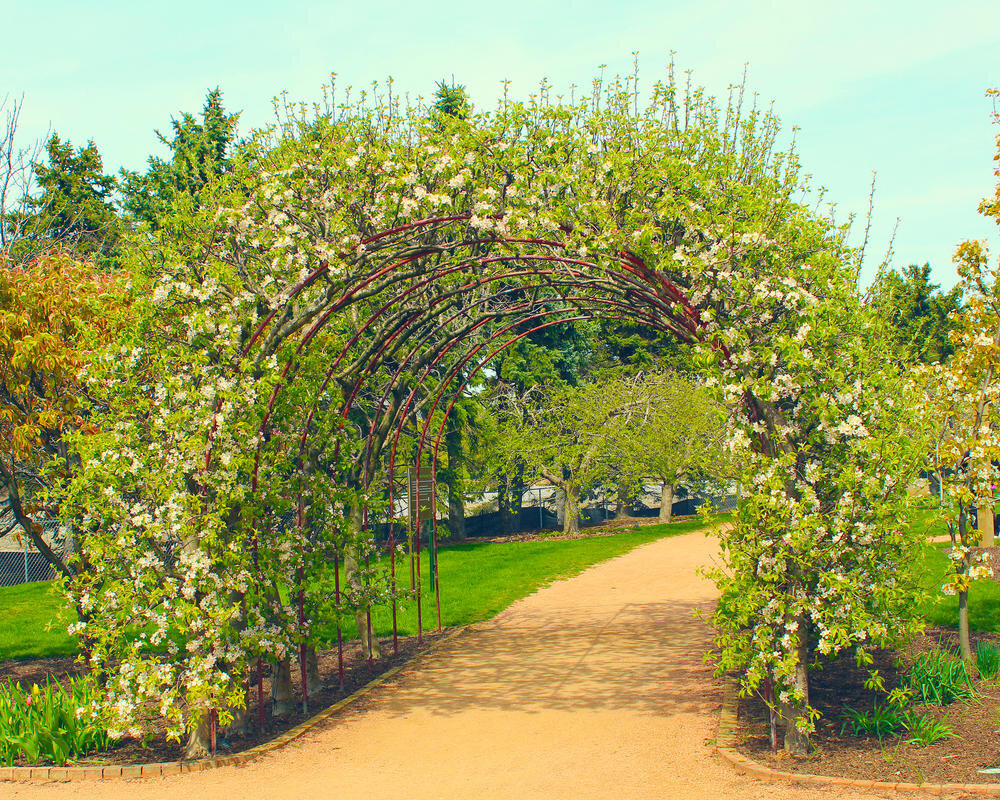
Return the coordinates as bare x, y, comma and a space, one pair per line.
55, 723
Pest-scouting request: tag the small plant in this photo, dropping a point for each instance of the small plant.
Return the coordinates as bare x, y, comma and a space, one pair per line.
55, 723
880, 722
987, 659
941, 678
924, 729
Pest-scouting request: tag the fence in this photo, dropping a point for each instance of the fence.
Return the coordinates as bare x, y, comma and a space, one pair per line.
20, 560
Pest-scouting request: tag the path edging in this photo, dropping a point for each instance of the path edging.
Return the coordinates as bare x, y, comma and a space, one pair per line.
726, 747
99, 772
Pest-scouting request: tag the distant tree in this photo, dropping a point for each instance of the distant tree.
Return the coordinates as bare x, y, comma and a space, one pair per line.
451, 100
960, 404
74, 211
199, 154
572, 436
918, 312
677, 440
17, 180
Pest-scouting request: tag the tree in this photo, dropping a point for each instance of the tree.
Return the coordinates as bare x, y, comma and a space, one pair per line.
17, 180
572, 437
679, 439
75, 210
199, 155
918, 312
960, 402
56, 314
451, 100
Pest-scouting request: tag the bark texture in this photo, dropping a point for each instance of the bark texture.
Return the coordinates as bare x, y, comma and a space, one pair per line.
666, 502
281, 689
796, 740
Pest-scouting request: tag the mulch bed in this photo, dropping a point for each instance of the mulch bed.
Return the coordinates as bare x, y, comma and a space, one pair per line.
840, 683
357, 673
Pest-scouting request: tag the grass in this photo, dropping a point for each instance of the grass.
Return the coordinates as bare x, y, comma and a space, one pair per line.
478, 580
33, 622
940, 609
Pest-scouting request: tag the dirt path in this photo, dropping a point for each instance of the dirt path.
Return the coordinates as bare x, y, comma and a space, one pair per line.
591, 688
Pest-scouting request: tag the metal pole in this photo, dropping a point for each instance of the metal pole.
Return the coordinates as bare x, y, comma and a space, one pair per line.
302, 644
392, 564
432, 531
25, 540
368, 609
336, 606
416, 539
540, 523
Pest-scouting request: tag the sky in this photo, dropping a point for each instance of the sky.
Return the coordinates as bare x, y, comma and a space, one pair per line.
891, 87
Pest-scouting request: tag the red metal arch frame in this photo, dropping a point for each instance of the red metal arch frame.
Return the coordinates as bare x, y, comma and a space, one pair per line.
632, 285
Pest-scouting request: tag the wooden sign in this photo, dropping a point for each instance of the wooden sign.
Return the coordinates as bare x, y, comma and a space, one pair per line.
420, 489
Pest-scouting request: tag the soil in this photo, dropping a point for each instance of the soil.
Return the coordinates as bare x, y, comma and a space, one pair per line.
357, 672
839, 683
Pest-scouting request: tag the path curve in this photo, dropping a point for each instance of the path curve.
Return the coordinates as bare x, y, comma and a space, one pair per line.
593, 687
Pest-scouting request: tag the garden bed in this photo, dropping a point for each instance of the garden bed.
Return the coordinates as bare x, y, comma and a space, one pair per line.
840, 753
357, 673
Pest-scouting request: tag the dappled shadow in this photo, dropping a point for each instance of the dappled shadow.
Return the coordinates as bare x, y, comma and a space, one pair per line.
641, 657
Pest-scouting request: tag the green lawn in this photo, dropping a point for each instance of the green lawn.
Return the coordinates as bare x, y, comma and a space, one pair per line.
941, 609
478, 580
33, 622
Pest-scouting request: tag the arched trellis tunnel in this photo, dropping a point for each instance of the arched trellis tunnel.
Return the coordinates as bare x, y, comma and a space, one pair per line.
434, 317
324, 328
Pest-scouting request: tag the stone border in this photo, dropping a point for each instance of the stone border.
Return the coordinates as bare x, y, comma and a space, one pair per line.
726, 747
237, 759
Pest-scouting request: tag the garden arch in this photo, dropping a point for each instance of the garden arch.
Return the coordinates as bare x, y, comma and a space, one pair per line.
447, 319
360, 269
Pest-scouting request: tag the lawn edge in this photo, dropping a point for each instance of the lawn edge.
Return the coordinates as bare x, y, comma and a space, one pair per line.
725, 746
155, 770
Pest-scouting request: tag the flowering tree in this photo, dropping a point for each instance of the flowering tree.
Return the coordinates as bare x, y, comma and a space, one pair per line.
350, 266
959, 403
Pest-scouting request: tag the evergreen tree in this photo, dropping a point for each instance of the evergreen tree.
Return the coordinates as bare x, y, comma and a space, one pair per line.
74, 211
199, 154
918, 312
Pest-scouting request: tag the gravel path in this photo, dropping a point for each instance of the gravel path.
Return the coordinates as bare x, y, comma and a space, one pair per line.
593, 687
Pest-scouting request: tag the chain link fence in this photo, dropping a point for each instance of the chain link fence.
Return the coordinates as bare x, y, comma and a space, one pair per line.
20, 560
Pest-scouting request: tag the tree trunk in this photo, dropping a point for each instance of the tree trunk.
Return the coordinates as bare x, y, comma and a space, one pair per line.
456, 513
796, 740
199, 743
369, 646
964, 645
666, 502
281, 688
623, 497
509, 494
456, 489
314, 682
240, 725
571, 508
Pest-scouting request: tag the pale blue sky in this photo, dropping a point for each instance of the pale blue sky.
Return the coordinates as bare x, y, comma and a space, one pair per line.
896, 87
